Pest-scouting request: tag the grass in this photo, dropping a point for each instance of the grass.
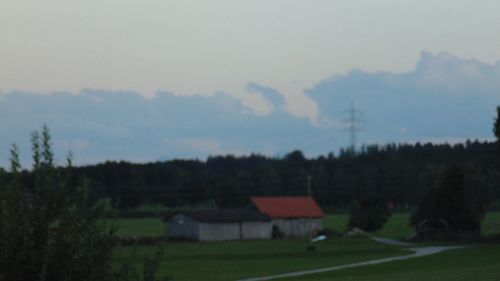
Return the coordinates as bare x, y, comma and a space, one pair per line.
397, 226
206, 261
491, 223
336, 222
479, 263
233, 260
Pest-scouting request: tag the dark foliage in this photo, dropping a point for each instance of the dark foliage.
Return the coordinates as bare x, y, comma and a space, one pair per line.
151, 265
369, 213
398, 173
127, 198
457, 200
51, 230
496, 125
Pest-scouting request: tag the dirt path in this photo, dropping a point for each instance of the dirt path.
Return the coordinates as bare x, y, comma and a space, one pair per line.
419, 252
391, 242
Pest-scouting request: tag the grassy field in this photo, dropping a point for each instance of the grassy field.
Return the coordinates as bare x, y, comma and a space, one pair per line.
491, 223
232, 260
397, 226
478, 263
206, 261
140, 227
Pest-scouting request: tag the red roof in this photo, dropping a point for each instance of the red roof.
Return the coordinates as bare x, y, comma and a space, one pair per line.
288, 207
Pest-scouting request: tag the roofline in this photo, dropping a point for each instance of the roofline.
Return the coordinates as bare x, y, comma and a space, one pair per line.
254, 200
291, 218
273, 197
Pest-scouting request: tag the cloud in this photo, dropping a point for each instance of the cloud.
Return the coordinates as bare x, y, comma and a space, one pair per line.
443, 98
74, 145
272, 95
202, 148
446, 71
98, 124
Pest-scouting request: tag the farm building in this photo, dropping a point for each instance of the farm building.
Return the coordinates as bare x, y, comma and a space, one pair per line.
293, 216
218, 224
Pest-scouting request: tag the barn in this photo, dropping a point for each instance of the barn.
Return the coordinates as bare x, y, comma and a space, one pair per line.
293, 216
218, 225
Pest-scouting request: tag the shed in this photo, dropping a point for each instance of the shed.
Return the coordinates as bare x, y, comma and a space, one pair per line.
218, 225
293, 216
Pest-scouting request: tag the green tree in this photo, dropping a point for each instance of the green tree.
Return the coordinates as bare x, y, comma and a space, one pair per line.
458, 200
50, 233
496, 125
14, 225
53, 233
369, 213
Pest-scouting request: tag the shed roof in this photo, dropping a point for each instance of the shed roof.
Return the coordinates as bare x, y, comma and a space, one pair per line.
222, 215
288, 207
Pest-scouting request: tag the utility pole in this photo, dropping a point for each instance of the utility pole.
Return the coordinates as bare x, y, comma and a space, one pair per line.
309, 180
310, 246
309, 207
353, 125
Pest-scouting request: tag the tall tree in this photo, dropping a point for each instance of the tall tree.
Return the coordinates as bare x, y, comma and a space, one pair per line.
496, 126
48, 234
54, 233
456, 199
15, 231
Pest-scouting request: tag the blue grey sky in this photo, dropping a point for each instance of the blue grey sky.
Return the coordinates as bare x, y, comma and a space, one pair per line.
201, 47
267, 62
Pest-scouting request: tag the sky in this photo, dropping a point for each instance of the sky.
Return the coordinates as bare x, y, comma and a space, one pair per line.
269, 60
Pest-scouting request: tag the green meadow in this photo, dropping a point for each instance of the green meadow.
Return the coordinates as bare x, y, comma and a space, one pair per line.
206, 261
149, 227
474, 263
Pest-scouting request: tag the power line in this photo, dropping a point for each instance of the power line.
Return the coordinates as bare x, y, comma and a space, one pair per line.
353, 124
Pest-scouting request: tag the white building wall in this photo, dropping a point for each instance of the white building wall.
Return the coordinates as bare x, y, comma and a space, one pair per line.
219, 231
256, 230
183, 227
298, 227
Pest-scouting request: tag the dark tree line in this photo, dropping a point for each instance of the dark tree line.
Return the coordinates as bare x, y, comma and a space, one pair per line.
399, 173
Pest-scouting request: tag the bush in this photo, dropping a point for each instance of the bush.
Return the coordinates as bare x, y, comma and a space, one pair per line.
369, 213
458, 201
142, 240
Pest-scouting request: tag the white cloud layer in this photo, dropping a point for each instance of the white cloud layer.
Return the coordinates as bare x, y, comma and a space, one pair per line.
444, 98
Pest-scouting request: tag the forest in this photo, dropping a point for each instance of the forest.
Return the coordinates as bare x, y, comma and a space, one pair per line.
399, 173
